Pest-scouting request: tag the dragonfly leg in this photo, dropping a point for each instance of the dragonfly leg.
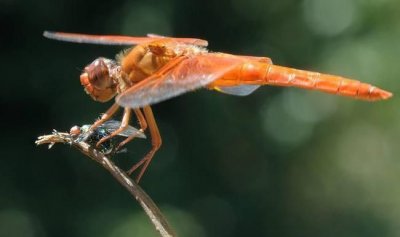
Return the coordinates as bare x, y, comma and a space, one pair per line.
143, 127
124, 126
106, 116
141, 119
155, 141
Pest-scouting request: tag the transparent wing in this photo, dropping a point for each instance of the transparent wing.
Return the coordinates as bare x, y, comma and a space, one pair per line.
112, 125
115, 39
130, 131
199, 42
151, 35
243, 90
189, 74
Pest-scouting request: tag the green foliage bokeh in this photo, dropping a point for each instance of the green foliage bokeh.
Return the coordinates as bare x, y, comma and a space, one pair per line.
281, 162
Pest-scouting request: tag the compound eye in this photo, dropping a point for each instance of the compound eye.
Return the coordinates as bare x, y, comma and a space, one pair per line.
98, 79
98, 74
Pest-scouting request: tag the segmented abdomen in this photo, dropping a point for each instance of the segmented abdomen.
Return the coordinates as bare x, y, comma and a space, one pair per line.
256, 73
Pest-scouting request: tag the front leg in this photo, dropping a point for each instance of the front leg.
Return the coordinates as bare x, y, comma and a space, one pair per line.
124, 125
106, 116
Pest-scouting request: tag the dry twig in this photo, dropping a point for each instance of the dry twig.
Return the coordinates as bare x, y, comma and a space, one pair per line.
150, 208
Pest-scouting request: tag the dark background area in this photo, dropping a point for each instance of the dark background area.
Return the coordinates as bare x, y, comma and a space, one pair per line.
281, 162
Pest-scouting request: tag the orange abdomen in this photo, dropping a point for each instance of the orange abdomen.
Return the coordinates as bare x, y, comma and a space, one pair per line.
255, 73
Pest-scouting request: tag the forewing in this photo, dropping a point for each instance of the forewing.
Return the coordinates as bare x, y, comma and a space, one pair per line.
199, 42
190, 74
114, 39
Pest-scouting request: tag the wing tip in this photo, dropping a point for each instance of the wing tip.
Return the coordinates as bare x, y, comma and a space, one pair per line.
48, 34
58, 36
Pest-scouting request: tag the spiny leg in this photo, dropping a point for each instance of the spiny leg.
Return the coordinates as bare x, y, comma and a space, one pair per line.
141, 119
124, 125
155, 141
143, 126
106, 116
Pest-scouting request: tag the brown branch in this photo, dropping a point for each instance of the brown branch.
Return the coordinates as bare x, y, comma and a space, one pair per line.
150, 208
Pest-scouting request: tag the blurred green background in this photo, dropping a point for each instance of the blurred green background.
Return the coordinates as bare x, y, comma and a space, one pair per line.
281, 162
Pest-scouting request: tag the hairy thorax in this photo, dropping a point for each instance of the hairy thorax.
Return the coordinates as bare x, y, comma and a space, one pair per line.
144, 61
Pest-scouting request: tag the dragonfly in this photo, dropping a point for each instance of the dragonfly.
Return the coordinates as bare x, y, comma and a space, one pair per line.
109, 147
155, 68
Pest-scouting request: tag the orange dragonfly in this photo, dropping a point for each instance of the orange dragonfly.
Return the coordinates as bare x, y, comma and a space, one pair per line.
159, 68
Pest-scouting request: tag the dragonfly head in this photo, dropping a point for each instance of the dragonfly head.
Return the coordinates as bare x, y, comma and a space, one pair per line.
99, 79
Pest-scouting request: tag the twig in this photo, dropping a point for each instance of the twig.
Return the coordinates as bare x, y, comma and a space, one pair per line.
150, 208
